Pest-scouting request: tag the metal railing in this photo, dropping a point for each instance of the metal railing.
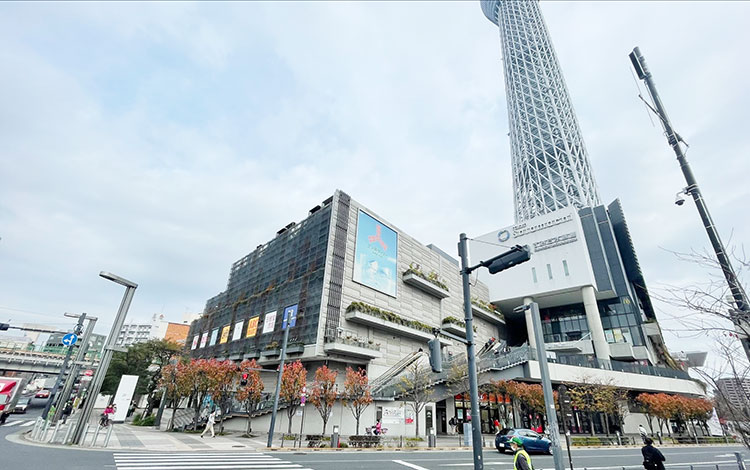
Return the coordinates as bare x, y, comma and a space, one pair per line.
340, 335
618, 366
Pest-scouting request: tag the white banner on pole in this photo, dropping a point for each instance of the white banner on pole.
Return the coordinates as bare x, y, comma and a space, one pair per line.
123, 396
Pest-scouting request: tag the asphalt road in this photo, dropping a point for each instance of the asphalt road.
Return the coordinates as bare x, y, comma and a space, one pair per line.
17, 456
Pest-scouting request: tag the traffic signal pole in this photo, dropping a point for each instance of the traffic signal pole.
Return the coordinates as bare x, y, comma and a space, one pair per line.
476, 432
53, 394
73, 375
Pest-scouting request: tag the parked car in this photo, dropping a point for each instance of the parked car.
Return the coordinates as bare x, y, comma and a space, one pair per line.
532, 441
42, 394
21, 405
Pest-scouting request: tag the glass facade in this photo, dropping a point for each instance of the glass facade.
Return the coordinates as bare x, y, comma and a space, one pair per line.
566, 323
285, 271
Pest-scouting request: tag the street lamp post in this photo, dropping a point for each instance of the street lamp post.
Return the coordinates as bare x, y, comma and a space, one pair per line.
109, 348
735, 287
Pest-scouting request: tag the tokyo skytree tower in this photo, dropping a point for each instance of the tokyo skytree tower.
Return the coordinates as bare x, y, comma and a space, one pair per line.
551, 168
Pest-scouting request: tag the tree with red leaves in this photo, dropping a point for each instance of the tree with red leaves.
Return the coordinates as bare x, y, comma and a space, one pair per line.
251, 393
357, 396
323, 393
293, 379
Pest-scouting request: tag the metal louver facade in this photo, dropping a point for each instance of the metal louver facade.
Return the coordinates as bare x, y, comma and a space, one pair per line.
551, 169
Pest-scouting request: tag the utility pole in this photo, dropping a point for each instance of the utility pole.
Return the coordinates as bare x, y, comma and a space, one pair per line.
506, 260
53, 394
740, 317
81, 356
549, 398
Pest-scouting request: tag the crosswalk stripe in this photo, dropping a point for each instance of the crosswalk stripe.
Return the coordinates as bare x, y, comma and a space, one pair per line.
202, 461
27, 424
12, 423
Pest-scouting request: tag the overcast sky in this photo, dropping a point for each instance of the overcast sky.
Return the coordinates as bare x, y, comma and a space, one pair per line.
164, 141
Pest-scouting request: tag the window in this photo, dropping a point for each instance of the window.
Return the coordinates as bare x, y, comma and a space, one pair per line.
533, 274
549, 271
565, 267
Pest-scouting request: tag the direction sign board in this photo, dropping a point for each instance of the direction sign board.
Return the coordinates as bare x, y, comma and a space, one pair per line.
69, 339
290, 317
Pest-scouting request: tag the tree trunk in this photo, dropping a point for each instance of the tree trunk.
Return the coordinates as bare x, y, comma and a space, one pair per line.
591, 422
325, 424
669, 428
290, 415
606, 423
249, 423
416, 421
649, 420
357, 419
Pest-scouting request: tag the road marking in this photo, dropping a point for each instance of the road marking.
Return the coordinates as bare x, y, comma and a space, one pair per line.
12, 423
202, 461
410, 465
28, 423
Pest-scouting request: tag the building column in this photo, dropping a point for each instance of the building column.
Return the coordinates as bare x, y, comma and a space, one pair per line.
529, 323
601, 347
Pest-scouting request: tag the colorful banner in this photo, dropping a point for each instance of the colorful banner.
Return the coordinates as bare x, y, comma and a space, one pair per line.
204, 339
269, 322
195, 342
224, 334
214, 335
252, 327
375, 255
237, 334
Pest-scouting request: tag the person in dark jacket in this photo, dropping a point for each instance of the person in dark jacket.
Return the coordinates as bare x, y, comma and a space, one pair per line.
652, 457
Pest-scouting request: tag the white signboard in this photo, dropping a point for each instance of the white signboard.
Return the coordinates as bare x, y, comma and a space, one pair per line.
237, 334
393, 415
269, 322
195, 342
204, 339
123, 396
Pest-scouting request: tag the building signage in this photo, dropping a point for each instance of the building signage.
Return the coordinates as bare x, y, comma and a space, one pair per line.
526, 228
393, 415
195, 342
204, 339
237, 334
214, 336
555, 241
252, 327
269, 322
375, 255
224, 334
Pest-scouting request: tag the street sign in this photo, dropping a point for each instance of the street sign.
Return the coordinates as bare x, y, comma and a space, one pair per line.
290, 317
69, 339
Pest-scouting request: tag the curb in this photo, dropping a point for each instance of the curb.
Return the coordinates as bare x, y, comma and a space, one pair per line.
21, 438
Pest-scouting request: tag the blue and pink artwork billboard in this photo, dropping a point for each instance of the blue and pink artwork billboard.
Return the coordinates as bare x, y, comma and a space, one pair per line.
375, 255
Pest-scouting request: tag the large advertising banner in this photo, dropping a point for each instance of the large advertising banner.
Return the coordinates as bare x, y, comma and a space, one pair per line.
204, 339
214, 335
237, 334
123, 396
375, 255
252, 327
195, 342
224, 334
269, 322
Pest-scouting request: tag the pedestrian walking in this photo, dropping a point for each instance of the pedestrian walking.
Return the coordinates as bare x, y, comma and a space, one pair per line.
521, 459
454, 424
67, 411
496, 423
652, 457
210, 424
643, 433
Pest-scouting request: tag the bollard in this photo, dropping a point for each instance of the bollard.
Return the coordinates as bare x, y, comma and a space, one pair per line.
44, 432
54, 433
335, 437
37, 428
84, 435
67, 434
740, 462
96, 436
109, 433
431, 438
696, 438
619, 439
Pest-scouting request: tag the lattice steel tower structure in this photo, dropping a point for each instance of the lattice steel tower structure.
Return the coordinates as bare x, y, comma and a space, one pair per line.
551, 168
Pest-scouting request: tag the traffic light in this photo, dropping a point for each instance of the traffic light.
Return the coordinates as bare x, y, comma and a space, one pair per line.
516, 255
4, 326
436, 355
243, 380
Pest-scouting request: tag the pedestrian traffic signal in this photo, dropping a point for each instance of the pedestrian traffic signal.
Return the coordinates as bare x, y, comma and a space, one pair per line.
243, 380
4, 326
436, 355
516, 255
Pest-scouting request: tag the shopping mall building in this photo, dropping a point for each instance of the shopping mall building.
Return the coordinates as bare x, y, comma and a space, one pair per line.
369, 296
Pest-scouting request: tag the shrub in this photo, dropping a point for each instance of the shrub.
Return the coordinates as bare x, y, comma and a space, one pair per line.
137, 419
288, 437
